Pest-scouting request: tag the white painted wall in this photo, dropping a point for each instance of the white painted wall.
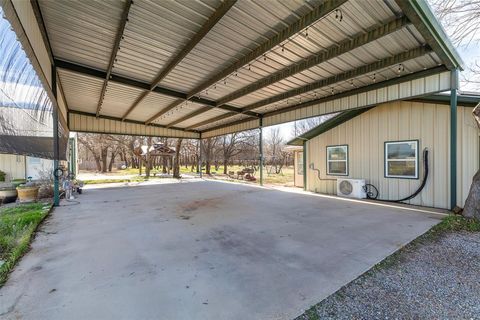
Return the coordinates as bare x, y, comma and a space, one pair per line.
366, 134
13, 166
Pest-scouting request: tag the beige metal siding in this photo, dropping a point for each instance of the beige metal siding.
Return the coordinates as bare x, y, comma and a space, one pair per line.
366, 134
85, 123
13, 166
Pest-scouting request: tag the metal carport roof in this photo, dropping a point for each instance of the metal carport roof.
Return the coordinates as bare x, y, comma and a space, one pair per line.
203, 68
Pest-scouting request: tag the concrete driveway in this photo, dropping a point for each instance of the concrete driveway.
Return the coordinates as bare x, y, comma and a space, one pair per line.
200, 250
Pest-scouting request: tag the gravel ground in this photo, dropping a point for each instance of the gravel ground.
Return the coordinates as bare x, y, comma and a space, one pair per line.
435, 278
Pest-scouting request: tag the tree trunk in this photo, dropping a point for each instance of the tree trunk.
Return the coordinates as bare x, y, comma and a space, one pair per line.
98, 163
176, 160
104, 153
112, 161
472, 204
207, 166
164, 165
225, 164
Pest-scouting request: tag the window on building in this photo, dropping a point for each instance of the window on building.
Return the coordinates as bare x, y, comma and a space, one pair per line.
337, 160
401, 159
300, 163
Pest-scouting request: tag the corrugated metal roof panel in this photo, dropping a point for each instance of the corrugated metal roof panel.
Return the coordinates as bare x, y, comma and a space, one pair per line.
82, 31
149, 106
156, 32
118, 99
82, 93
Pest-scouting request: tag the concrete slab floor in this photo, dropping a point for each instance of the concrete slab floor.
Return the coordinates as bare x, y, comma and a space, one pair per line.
200, 250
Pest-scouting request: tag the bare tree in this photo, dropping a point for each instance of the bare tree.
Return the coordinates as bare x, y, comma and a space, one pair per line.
176, 160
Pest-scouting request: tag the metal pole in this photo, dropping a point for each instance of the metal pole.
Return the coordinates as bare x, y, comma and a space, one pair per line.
305, 165
200, 156
56, 150
453, 140
260, 147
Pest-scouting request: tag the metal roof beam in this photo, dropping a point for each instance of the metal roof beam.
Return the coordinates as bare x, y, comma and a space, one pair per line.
188, 116
127, 120
425, 22
206, 27
314, 60
351, 74
87, 71
113, 55
218, 118
316, 14
374, 86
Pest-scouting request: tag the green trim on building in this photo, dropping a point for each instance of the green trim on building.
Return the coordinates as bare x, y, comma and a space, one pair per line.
422, 17
327, 125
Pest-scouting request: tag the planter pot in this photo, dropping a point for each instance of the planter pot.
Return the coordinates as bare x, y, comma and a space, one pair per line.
27, 194
8, 195
17, 182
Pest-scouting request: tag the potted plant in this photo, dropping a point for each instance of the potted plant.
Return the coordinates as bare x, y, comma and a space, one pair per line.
2, 176
17, 182
28, 192
8, 193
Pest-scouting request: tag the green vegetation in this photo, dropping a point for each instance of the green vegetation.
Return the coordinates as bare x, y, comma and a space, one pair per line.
284, 178
17, 226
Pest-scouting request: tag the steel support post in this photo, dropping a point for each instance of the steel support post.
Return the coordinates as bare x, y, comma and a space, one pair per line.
453, 139
56, 149
260, 147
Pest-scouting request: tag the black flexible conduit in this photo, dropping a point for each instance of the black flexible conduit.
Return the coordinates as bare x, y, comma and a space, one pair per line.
413, 195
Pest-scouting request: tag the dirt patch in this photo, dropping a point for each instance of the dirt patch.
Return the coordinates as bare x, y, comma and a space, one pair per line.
187, 210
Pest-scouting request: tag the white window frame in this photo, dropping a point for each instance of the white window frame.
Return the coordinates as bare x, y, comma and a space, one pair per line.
386, 161
346, 160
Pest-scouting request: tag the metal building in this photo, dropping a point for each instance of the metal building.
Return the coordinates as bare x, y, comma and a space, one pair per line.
197, 69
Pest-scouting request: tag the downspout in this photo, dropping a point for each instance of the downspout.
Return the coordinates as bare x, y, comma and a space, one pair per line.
453, 139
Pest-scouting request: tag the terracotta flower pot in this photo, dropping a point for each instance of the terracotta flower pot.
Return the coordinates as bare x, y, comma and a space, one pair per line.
27, 194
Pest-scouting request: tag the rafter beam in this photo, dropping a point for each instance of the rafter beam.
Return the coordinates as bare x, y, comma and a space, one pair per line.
351, 74
87, 71
328, 54
316, 14
218, 118
204, 30
426, 23
113, 55
188, 116
377, 85
308, 19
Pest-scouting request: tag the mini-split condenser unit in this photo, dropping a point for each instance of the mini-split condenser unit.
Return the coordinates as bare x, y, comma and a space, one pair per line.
351, 188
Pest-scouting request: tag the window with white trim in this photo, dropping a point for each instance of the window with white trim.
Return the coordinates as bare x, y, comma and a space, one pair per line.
337, 160
401, 159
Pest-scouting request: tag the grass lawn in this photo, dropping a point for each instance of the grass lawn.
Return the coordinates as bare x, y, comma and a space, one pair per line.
17, 226
284, 178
